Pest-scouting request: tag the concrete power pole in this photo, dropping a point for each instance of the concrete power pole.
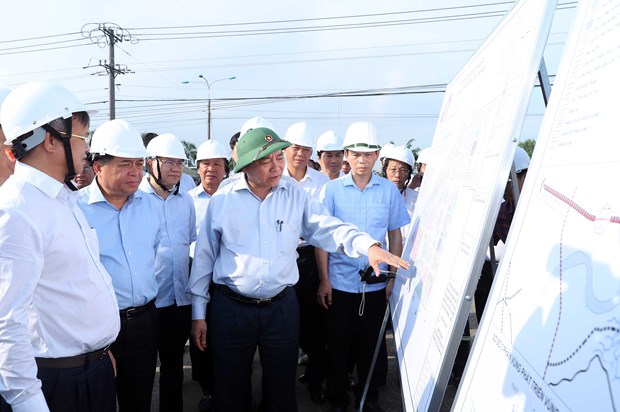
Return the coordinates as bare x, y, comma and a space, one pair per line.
103, 35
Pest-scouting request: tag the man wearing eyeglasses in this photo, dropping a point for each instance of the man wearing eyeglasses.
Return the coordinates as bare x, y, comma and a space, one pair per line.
58, 310
128, 226
247, 248
165, 167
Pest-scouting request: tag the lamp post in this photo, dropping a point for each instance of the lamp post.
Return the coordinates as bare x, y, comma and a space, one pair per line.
209, 84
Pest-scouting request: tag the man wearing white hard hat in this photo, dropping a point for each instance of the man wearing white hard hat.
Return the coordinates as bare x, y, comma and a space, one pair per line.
58, 310
424, 158
7, 164
187, 182
165, 168
247, 249
330, 153
356, 309
212, 165
129, 228
303, 139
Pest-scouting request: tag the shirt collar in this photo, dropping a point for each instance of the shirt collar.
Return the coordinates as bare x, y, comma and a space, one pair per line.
95, 195
42, 181
347, 180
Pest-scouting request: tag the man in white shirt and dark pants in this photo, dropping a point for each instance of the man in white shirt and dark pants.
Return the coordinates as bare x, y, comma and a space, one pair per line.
58, 311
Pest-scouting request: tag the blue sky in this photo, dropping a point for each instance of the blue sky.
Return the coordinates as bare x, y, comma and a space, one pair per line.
380, 49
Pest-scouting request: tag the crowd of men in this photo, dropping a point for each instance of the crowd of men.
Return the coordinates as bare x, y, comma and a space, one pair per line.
111, 258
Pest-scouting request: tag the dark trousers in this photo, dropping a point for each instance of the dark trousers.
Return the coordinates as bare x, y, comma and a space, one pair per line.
88, 388
174, 325
483, 289
236, 330
312, 318
345, 326
135, 350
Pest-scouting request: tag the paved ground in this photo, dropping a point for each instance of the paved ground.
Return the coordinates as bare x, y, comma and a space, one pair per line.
390, 395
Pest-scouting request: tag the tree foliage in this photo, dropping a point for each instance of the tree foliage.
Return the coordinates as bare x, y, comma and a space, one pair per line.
528, 145
190, 152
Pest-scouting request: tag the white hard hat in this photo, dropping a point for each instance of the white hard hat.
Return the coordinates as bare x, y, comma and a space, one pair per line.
400, 153
117, 138
521, 160
212, 149
300, 134
385, 151
166, 145
328, 142
254, 123
361, 137
424, 156
33, 105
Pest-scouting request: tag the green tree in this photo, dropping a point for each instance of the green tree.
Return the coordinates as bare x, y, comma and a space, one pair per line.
528, 145
190, 152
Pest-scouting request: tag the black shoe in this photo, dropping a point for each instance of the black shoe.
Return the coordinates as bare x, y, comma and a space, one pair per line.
337, 409
206, 403
317, 393
303, 378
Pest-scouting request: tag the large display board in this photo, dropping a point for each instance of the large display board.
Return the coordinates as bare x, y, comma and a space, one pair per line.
550, 336
483, 110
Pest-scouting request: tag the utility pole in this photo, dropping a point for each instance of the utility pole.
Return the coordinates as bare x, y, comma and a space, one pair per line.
106, 34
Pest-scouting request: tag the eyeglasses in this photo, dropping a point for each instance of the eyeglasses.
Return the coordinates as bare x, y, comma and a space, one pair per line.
84, 138
402, 171
171, 163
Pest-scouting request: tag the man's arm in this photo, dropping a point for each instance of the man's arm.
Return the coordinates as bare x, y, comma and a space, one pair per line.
21, 265
324, 293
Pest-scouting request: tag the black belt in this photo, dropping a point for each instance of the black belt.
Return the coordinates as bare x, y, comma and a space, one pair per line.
252, 301
77, 361
136, 311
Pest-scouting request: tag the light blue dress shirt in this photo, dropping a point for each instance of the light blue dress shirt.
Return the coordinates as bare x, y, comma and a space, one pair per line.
172, 260
128, 240
250, 245
201, 201
375, 210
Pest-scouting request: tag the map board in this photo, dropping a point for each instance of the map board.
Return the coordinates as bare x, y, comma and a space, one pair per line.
483, 110
550, 336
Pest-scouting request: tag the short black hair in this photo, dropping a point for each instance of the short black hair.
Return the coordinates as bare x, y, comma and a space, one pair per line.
147, 137
234, 139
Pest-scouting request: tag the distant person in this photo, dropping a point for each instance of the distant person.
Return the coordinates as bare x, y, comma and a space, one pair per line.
187, 182
346, 167
330, 154
7, 161
312, 339
247, 249
424, 157
212, 164
58, 310
129, 228
86, 177
521, 163
354, 309
165, 167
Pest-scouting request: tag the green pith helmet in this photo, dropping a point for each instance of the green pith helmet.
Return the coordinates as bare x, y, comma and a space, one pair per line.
256, 144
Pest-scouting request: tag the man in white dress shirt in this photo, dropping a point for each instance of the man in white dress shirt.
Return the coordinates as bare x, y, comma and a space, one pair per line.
58, 311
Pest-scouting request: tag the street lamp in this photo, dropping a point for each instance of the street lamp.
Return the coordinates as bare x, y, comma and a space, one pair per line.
209, 84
